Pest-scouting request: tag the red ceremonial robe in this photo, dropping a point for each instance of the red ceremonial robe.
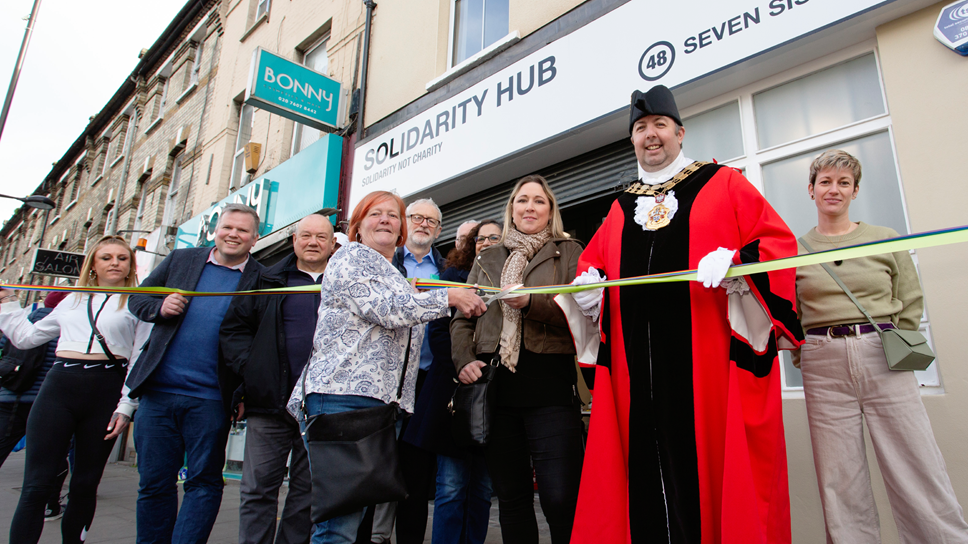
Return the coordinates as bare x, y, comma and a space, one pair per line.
686, 437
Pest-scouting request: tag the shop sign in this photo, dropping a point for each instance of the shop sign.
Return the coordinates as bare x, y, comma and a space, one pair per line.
292, 91
48, 262
951, 29
581, 78
306, 183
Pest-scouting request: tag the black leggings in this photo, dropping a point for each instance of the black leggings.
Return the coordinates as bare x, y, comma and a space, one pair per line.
550, 439
73, 401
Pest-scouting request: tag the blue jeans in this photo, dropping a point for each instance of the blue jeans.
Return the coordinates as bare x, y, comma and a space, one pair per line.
462, 504
167, 427
342, 529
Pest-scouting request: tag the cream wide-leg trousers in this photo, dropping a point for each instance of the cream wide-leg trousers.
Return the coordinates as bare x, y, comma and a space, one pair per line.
845, 379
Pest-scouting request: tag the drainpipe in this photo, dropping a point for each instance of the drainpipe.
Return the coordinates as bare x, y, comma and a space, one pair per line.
130, 137
370, 4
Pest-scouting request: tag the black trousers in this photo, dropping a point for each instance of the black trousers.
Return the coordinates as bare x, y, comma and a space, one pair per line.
78, 402
13, 427
549, 438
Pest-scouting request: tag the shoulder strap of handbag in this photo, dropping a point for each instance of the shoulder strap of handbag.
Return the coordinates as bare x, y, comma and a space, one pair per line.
93, 320
403, 376
842, 286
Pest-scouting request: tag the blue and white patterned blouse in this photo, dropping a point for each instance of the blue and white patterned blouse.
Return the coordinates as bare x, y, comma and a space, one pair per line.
366, 311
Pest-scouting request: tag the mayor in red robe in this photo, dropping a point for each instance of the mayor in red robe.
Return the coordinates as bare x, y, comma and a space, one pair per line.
686, 437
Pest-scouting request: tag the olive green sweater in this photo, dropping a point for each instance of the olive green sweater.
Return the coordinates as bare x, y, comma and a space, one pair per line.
886, 285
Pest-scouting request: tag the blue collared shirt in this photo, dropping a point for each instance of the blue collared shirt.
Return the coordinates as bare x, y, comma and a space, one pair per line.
426, 269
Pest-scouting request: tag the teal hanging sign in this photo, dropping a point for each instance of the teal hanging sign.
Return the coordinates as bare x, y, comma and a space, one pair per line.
306, 183
293, 91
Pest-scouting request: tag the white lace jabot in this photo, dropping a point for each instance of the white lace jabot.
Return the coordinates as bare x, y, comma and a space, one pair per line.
664, 175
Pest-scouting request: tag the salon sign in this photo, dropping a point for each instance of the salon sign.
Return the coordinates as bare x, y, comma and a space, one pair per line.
293, 91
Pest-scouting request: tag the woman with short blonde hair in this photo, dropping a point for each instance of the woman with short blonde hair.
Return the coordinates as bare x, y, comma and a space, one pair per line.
846, 380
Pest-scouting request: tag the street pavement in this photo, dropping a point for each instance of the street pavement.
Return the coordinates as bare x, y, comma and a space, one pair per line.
115, 519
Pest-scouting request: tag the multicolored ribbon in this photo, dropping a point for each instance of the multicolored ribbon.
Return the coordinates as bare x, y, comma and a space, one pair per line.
902, 243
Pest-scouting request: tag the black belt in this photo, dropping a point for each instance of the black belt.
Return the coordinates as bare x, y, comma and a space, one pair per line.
846, 330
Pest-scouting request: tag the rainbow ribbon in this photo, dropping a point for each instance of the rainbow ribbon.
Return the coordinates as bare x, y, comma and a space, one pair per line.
902, 243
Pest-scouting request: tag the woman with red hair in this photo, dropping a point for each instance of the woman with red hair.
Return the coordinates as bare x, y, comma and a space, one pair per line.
368, 313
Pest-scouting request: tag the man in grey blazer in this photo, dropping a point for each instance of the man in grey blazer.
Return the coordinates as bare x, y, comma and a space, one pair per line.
185, 391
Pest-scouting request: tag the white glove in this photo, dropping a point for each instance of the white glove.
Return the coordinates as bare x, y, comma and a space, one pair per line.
713, 267
589, 300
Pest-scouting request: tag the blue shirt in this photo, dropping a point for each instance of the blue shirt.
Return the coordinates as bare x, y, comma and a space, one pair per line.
425, 270
190, 364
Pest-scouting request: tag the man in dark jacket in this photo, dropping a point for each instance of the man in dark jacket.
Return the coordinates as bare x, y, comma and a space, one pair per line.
185, 392
267, 341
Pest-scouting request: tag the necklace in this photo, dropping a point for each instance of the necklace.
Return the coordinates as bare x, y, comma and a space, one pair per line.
660, 215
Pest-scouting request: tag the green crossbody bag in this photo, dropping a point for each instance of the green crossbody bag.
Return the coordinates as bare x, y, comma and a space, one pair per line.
904, 350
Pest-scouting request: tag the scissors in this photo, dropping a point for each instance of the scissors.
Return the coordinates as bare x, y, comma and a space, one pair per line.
504, 293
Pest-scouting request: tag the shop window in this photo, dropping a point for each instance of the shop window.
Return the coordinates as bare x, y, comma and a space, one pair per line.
714, 134
476, 24
239, 176
878, 203
820, 102
784, 123
316, 58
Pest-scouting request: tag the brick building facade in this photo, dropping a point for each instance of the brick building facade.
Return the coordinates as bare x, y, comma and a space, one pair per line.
135, 166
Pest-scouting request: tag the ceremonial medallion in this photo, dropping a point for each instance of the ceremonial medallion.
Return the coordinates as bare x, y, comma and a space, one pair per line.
659, 216
655, 212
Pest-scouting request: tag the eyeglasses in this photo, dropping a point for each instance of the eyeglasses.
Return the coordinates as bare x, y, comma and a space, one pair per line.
417, 219
494, 238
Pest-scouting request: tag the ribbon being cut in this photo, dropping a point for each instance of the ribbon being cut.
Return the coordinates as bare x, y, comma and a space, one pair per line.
902, 243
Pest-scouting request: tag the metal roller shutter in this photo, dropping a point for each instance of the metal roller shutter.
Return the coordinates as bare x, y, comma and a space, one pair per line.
602, 171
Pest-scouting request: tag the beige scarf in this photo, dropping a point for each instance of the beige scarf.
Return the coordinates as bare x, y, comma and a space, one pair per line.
523, 248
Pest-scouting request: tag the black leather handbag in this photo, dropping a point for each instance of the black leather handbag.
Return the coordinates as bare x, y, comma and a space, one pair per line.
353, 457
471, 407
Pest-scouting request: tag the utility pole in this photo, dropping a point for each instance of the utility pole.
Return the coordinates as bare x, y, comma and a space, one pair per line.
17, 67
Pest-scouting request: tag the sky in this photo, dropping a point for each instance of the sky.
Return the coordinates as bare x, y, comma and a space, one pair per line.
80, 53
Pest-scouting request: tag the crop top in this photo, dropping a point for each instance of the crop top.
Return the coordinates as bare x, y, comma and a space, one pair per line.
124, 333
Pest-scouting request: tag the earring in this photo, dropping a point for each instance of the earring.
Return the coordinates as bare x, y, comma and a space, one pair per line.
812, 198
92, 274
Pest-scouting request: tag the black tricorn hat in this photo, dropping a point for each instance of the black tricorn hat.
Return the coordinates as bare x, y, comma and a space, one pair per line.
656, 101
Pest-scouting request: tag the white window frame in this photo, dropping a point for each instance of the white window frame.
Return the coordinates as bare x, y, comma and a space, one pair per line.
197, 64
450, 35
262, 9
140, 213
753, 159
173, 186
128, 133
297, 127
240, 147
105, 157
